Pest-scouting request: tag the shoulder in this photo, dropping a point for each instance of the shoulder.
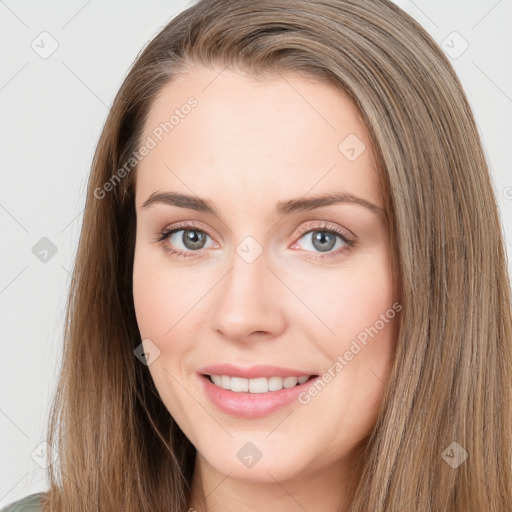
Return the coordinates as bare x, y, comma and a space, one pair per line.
30, 503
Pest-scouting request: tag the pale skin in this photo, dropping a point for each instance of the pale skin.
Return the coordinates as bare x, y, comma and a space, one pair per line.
248, 144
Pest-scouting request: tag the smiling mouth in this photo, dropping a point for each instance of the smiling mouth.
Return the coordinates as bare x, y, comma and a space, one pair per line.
257, 385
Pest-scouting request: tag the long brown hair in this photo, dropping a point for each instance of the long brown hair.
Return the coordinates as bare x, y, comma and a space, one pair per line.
449, 395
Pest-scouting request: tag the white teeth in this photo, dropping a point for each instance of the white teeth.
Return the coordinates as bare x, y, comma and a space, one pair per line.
258, 385
225, 382
289, 382
239, 385
275, 383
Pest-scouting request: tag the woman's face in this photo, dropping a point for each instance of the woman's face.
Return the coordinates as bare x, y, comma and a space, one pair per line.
274, 278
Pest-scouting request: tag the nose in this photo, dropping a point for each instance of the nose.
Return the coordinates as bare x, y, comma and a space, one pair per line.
248, 303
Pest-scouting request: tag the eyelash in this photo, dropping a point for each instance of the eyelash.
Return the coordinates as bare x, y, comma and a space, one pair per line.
164, 234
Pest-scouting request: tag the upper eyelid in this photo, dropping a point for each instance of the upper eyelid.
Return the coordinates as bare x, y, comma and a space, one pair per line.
346, 235
326, 225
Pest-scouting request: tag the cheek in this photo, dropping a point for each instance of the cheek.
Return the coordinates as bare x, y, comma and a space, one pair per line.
155, 301
359, 307
169, 303
159, 294
149, 300
351, 299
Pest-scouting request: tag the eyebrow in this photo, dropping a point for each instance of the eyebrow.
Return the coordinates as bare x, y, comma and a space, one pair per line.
285, 207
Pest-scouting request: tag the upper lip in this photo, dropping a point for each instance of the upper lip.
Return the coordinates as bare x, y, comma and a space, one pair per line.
253, 372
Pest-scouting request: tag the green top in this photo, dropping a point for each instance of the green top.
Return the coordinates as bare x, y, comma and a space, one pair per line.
29, 503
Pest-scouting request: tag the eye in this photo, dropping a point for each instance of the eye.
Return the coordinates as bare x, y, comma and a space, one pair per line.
183, 241
323, 239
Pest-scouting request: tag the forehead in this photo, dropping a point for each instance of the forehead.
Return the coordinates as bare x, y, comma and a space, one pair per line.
286, 135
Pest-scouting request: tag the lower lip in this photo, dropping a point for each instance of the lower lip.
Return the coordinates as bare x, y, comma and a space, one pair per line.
252, 405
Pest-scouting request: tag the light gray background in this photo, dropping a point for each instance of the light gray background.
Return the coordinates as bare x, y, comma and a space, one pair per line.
52, 111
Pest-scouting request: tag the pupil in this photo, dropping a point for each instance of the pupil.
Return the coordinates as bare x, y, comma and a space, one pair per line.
320, 238
193, 239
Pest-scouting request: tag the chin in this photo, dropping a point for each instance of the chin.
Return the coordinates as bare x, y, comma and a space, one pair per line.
257, 460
